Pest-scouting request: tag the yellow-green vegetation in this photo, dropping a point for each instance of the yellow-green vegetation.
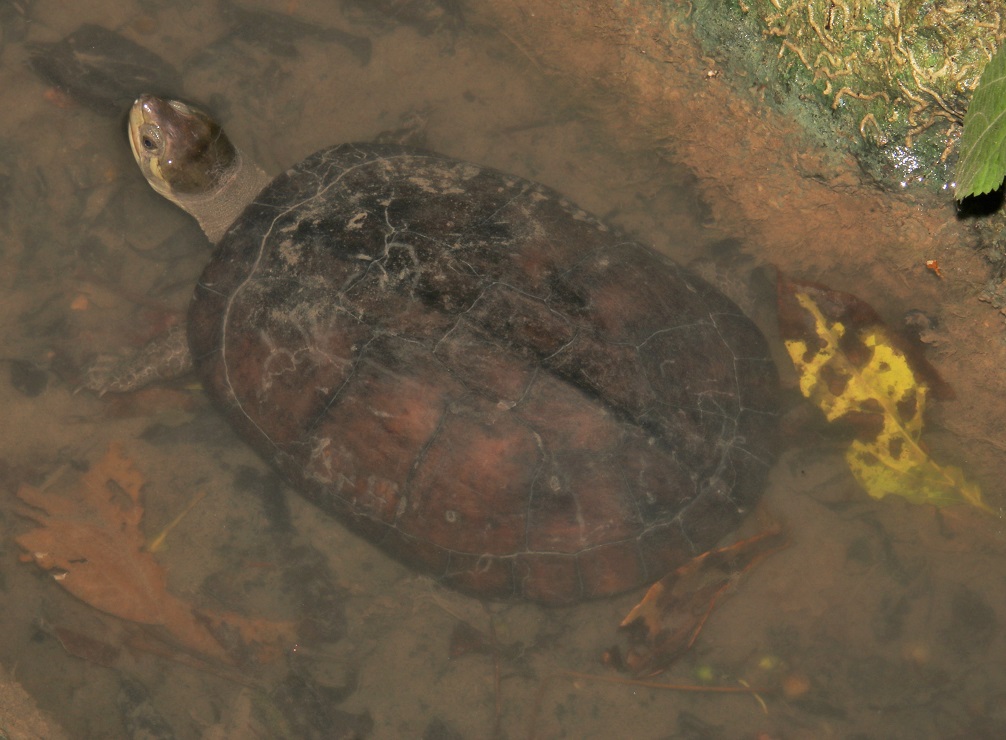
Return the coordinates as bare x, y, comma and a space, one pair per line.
889, 79
859, 375
981, 165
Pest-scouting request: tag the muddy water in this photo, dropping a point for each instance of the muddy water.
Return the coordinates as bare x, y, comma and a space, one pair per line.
881, 618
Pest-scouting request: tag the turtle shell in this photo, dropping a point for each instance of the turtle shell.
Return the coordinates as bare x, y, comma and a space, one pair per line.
482, 378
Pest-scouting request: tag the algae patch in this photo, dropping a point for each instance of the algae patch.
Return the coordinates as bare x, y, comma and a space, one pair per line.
890, 80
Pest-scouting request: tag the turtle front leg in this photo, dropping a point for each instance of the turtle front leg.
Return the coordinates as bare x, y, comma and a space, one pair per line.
164, 357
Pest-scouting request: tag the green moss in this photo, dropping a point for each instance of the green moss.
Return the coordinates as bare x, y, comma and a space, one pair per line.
888, 80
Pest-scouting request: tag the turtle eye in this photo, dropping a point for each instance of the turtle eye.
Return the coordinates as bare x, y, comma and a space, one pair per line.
150, 138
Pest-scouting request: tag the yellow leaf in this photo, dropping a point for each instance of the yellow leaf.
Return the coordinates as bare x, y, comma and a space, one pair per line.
854, 370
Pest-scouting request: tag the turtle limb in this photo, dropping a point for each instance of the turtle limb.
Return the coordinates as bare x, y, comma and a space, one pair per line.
165, 357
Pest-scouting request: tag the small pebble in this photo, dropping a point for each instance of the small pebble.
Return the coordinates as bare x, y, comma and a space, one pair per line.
795, 685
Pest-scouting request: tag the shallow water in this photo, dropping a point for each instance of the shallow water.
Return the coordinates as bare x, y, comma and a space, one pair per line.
881, 618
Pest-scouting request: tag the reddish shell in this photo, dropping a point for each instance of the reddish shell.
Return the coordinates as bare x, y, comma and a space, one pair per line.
481, 378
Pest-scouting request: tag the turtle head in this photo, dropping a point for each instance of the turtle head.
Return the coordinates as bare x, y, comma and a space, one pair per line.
187, 158
179, 148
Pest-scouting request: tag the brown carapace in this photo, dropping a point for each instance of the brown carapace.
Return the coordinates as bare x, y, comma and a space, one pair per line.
481, 378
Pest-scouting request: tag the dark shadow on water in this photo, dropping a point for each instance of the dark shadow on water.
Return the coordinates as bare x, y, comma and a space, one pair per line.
981, 206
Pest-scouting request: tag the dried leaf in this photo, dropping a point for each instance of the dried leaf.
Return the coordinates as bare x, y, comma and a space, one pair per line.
93, 544
860, 373
88, 648
675, 608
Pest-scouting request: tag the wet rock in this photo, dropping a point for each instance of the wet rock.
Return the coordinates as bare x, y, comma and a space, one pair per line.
889, 82
103, 70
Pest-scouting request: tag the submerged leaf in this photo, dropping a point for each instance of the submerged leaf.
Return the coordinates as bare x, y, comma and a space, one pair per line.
982, 163
674, 610
92, 543
858, 372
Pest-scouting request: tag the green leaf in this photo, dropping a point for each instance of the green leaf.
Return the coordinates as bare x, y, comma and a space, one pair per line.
982, 163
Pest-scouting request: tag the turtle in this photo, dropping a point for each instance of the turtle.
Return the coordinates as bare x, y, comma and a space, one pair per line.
461, 365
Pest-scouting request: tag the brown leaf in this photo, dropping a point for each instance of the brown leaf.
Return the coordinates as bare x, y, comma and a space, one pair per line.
92, 542
670, 617
88, 648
